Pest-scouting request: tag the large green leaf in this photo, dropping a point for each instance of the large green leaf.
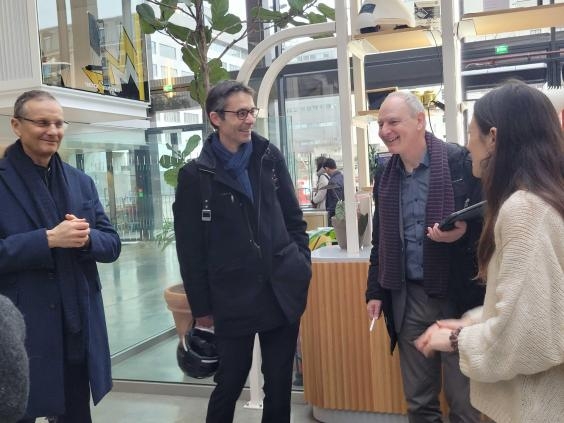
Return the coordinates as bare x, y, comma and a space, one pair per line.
191, 58
191, 145
229, 23
198, 91
219, 8
298, 4
216, 71
180, 32
267, 15
328, 11
167, 161
168, 7
315, 18
149, 23
171, 177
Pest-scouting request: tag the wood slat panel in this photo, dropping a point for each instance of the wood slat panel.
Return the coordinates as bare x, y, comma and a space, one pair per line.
345, 366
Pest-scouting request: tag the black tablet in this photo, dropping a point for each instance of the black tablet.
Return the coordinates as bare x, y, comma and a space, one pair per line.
469, 213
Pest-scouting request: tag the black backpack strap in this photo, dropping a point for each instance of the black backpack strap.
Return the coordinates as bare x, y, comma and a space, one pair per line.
205, 177
206, 191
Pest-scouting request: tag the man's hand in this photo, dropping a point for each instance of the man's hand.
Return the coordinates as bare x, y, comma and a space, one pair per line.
447, 236
374, 309
70, 233
205, 321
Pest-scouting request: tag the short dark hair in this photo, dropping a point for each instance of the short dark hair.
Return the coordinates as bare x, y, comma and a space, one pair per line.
319, 162
215, 102
330, 163
27, 96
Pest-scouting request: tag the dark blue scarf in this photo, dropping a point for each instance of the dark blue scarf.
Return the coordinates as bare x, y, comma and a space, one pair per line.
235, 164
51, 206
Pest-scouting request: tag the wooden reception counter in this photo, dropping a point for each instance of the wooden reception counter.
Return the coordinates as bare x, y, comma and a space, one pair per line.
348, 371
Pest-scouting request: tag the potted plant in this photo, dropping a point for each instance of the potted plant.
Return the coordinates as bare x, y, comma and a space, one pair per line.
339, 224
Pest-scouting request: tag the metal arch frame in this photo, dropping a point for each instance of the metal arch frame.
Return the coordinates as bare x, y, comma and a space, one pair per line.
265, 45
275, 68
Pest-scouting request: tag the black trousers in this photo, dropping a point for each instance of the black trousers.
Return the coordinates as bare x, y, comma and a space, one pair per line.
77, 396
278, 347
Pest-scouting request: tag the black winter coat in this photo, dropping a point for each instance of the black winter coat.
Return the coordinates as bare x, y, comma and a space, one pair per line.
250, 265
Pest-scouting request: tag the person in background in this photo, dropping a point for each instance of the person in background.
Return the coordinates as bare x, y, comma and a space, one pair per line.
335, 187
243, 253
14, 366
320, 192
53, 230
512, 349
410, 275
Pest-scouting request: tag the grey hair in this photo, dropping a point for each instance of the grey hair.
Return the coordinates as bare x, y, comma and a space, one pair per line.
411, 100
30, 95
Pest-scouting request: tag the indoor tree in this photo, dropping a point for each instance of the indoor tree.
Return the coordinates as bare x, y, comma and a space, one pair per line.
207, 21
195, 25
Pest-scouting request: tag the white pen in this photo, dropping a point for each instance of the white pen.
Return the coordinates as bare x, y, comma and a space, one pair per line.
372, 324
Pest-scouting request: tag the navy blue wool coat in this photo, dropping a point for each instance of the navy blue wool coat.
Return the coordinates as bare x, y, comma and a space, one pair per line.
28, 277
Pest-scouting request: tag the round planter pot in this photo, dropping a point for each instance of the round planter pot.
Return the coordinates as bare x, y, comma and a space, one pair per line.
176, 301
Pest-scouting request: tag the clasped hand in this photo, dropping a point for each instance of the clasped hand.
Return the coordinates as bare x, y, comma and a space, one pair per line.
70, 233
437, 336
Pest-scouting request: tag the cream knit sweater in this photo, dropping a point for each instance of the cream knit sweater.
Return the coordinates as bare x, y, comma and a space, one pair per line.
514, 355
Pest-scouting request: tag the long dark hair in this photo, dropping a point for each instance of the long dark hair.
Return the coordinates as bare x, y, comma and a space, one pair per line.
528, 153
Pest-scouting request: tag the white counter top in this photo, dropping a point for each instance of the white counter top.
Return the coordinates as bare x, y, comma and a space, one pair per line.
335, 253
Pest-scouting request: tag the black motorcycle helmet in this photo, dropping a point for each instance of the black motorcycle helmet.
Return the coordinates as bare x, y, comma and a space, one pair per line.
197, 354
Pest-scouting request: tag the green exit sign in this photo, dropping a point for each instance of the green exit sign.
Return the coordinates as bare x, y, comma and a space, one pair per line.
167, 88
503, 49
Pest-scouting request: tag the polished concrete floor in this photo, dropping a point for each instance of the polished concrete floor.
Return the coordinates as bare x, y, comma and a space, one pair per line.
136, 314
119, 407
133, 289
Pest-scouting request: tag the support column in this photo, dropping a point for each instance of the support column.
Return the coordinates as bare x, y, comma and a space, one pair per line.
450, 14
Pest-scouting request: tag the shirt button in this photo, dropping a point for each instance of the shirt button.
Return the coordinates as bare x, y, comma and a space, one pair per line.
52, 306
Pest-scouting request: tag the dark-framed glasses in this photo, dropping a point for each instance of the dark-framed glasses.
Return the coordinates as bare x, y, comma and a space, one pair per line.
243, 113
42, 123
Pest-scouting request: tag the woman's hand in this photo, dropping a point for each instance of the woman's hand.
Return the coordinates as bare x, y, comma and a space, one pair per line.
437, 336
434, 339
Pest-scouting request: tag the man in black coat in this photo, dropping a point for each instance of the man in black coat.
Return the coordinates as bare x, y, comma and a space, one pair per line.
419, 274
243, 252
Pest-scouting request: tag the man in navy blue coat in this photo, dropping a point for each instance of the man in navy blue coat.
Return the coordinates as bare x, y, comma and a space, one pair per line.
53, 230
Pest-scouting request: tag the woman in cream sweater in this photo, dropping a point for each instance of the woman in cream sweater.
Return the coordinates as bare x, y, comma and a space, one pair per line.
512, 348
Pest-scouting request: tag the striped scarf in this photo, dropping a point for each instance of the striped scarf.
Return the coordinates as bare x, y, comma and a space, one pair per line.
440, 203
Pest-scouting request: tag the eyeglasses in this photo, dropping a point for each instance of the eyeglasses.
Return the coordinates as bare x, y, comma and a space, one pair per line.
59, 124
243, 113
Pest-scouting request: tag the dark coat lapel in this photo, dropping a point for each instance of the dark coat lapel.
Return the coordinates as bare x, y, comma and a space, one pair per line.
15, 185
